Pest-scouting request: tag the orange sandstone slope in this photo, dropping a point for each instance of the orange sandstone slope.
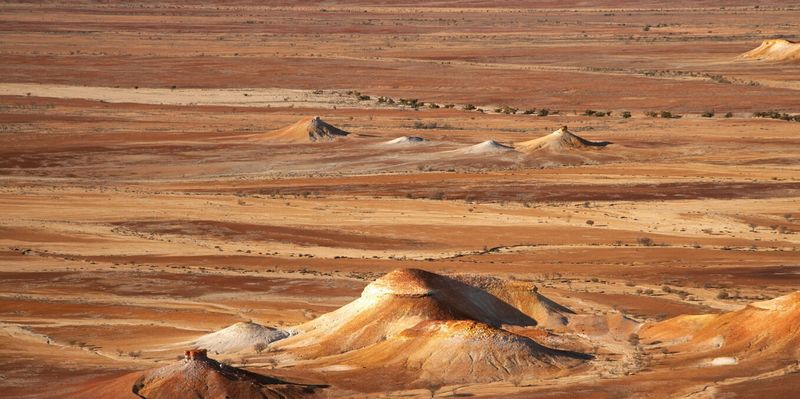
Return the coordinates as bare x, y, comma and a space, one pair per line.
775, 50
196, 376
427, 326
524, 296
457, 351
394, 303
304, 131
767, 329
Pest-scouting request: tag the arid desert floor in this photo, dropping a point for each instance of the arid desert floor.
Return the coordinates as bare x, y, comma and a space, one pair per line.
354, 199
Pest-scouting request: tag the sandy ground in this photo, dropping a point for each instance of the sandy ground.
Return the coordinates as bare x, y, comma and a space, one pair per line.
136, 215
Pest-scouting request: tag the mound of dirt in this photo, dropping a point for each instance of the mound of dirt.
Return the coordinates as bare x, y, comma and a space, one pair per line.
394, 303
774, 50
559, 141
197, 376
456, 351
304, 131
486, 147
769, 328
406, 140
524, 296
237, 337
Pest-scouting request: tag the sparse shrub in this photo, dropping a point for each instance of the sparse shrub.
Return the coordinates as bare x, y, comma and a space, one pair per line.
469, 107
590, 222
723, 295
633, 339
776, 115
260, 347
438, 196
589, 112
529, 111
720, 79
729, 114
626, 114
665, 114
543, 112
427, 125
708, 114
645, 241
507, 110
433, 105
651, 114
411, 102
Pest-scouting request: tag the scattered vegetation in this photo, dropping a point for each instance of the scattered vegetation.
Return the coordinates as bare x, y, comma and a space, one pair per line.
410, 102
626, 114
645, 241
777, 115
506, 110
590, 112
708, 114
429, 125
385, 100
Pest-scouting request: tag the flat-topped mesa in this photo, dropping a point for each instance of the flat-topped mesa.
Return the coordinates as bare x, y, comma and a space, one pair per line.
196, 354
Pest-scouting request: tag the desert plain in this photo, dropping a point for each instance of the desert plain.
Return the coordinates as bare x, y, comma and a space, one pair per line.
399, 199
